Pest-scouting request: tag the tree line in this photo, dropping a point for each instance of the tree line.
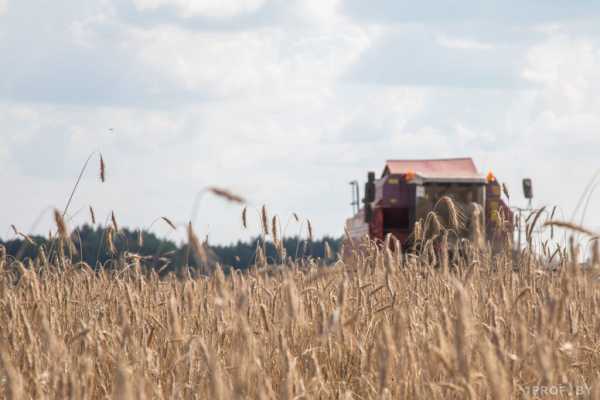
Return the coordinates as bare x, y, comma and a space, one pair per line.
90, 245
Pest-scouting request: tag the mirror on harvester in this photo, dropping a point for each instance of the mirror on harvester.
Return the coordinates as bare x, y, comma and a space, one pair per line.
370, 188
527, 188
369, 196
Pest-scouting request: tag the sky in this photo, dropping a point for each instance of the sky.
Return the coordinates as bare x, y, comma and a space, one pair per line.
286, 101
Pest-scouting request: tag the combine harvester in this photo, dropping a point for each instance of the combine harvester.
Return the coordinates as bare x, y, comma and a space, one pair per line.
409, 190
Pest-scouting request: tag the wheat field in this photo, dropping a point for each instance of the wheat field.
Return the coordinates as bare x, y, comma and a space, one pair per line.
376, 324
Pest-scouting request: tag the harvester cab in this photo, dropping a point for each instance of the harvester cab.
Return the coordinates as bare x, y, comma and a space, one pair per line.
430, 194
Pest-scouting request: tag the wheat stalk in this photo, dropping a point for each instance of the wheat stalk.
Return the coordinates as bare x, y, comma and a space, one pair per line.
61, 225
264, 220
227, 195
570, 226
110, 245
274, 231
455, 217
102, 169
92, 216
140, 238
169, 222
196, 246
114, 221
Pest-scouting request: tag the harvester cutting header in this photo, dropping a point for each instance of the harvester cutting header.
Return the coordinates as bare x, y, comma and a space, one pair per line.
408, 191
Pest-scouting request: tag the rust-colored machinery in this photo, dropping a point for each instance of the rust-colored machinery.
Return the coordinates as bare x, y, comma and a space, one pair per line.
409, 190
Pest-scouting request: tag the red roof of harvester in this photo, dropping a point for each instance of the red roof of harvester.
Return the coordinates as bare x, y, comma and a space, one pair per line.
440, 169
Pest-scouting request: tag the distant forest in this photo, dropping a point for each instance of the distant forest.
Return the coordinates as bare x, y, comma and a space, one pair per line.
91, 247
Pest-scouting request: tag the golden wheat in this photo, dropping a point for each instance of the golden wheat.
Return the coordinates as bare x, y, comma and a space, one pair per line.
227, 195
102, 169
376, 324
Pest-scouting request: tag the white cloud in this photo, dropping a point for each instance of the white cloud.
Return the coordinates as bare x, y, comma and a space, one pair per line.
556, 125
268, 59
412, 54
463, 43
3, 6
566, 105
207, 8
319, 11
568, 68
264, 109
